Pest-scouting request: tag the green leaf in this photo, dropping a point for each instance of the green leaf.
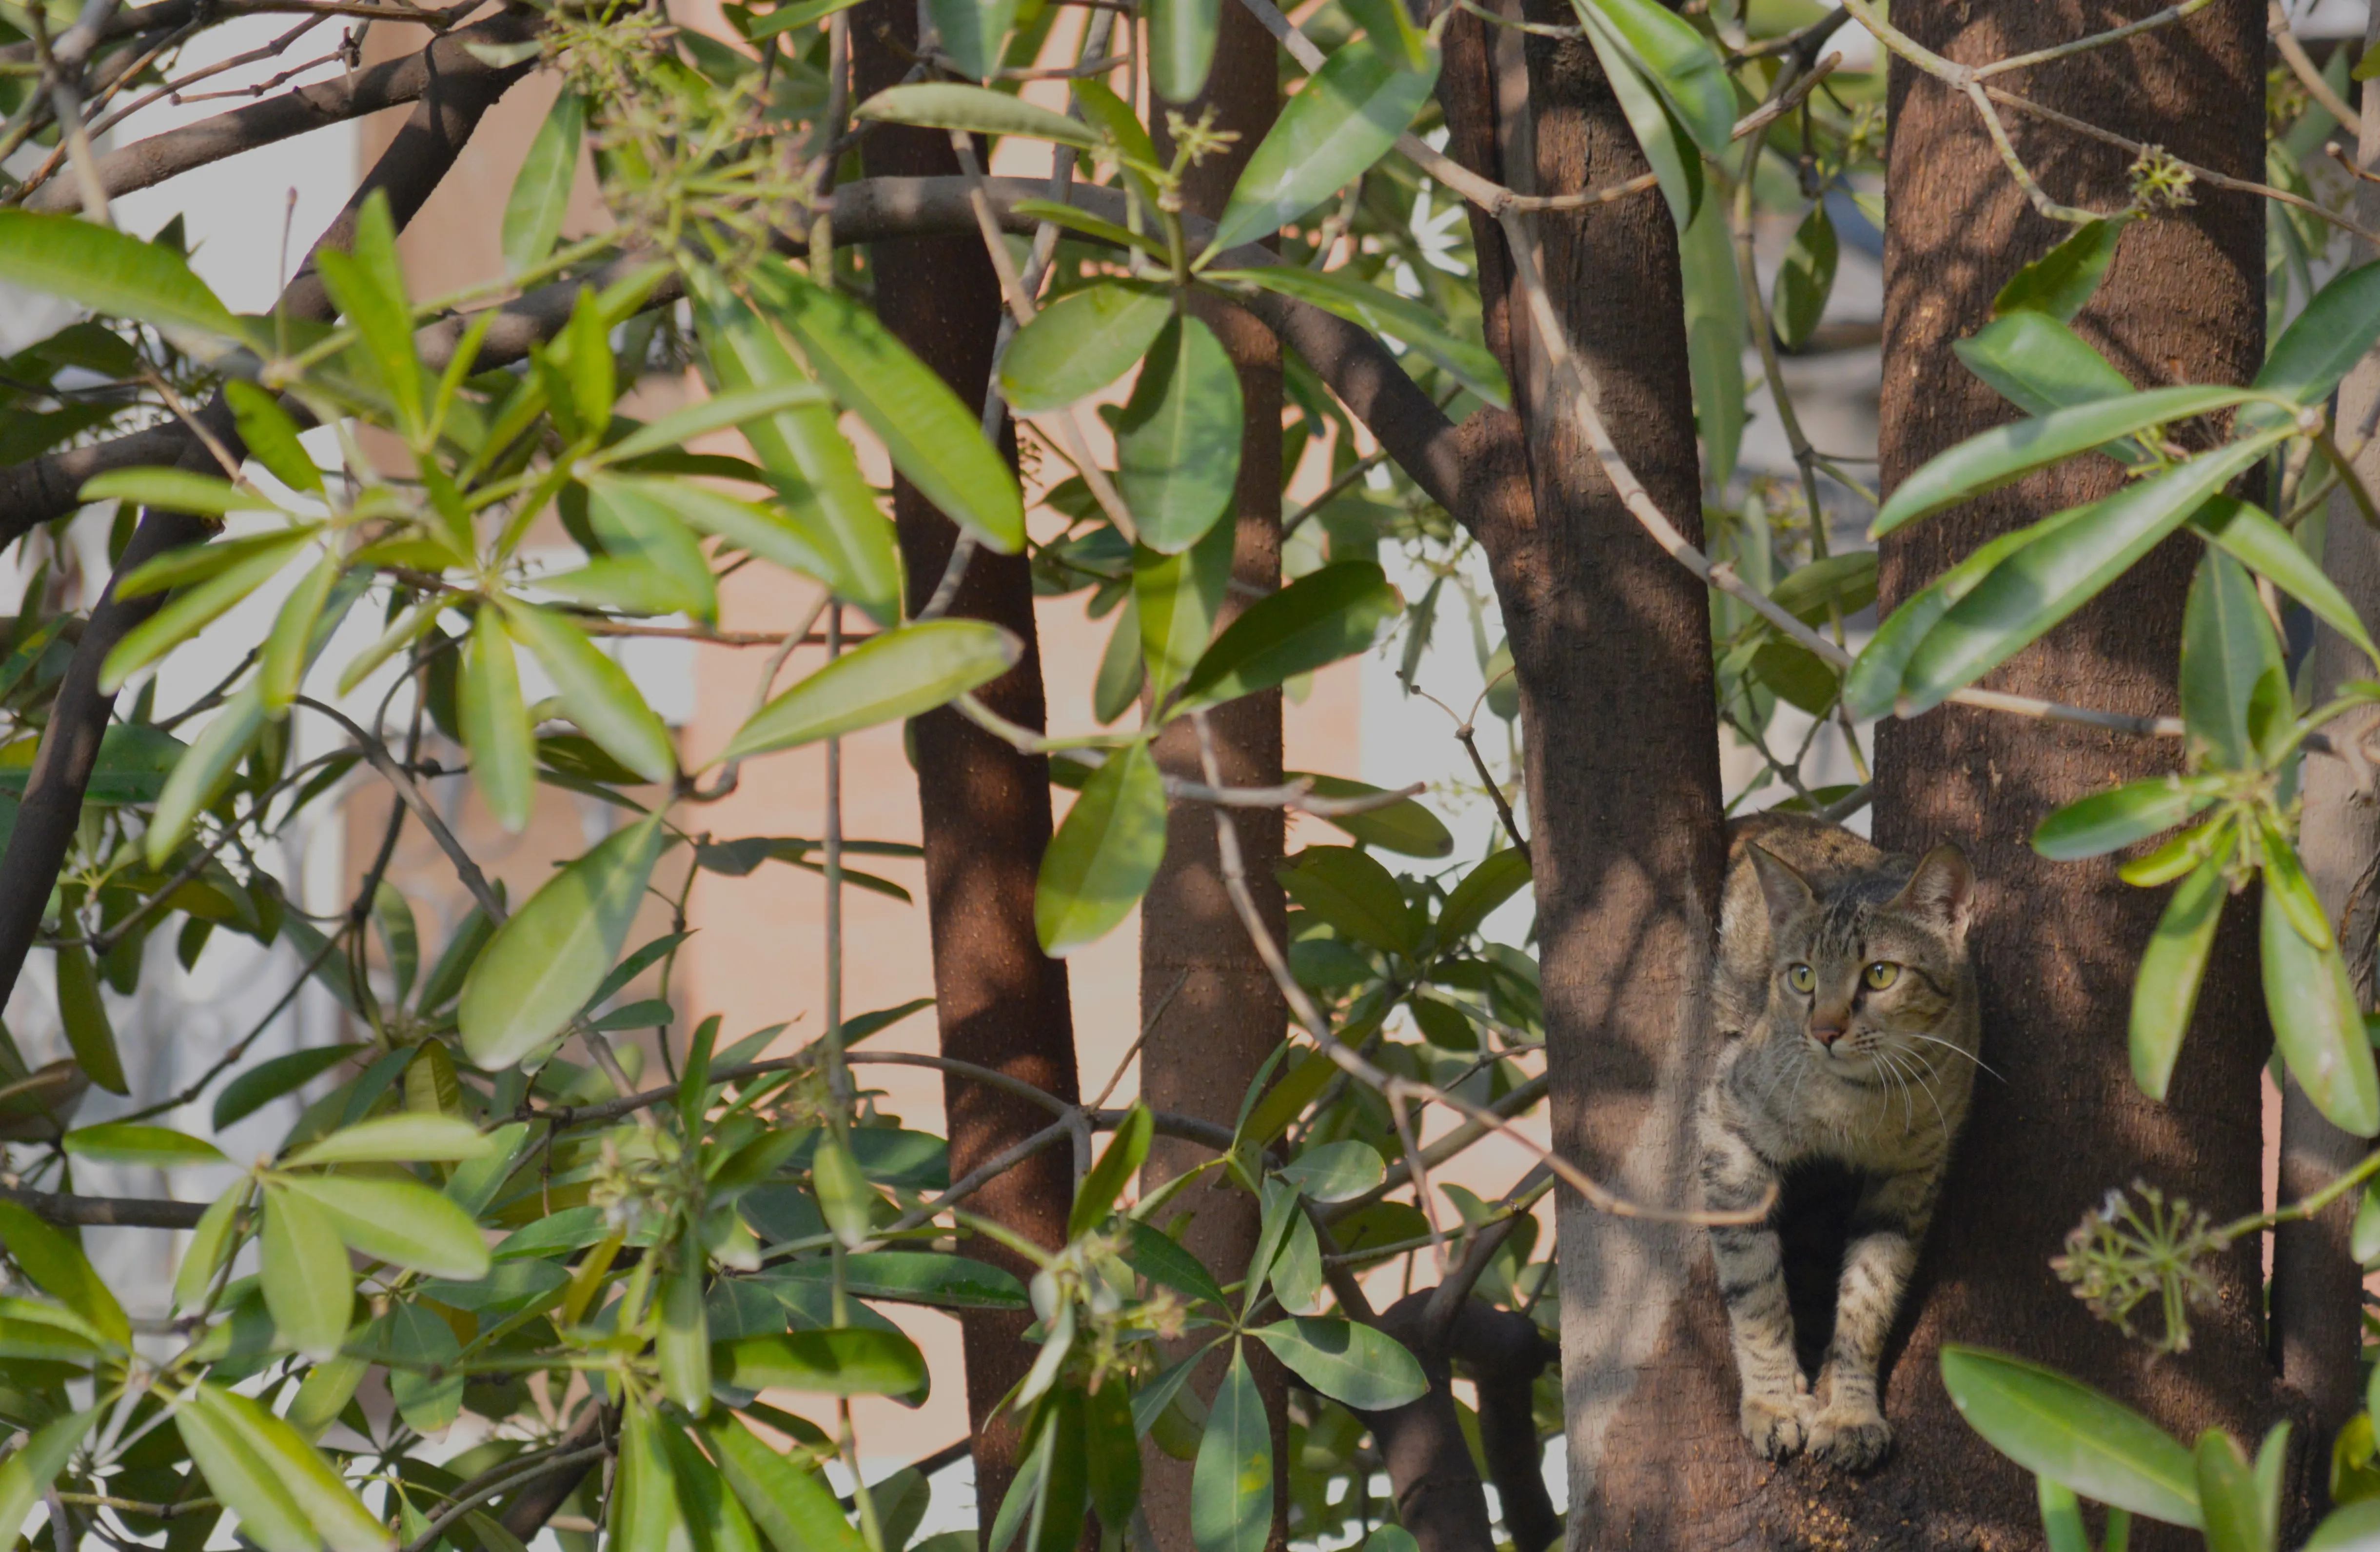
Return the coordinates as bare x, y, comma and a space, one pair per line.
2351, 1527
2234, 1521
1122, 677
2364, 1242
1103, 857
2227, 645
2073, 1434
1125, 1152
495, 724
1318, 619
2061, 280
1230, 1486
804, 450
188, 612
57, 1265
2105, 821
1352, 1364
1679, 61
151, 1147
306, 1284
1160, 1259
1177, 598
2251, 537
370, 291
272, 435
288, 650
1805, 278
1182, 46
1344, 118
1714, 335
793, 1507
1178, 440
1496, 879
1354, 894
595, 691
1404, 827
111, 272
2039, 364
785, 18
644, 1507
1267, 1106
974, 33
684, 1344
1081, 343
402, 1222
844, 1199
2006, 454
1335, 1171
935, 441
420, 1340
792, 537
88, 1033
2039, 585
849, 1361
1385, 313
889, 677
27, 1474
1111, 1453
268, 1081
2334, 333
2061, 1517
2171, 969
541, 196
405, 1138
2319, 1029
932, 1279
704, 416
541, 965
646, 544
951, 105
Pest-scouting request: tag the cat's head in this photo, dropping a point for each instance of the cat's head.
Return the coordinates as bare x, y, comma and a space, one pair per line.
1862, 974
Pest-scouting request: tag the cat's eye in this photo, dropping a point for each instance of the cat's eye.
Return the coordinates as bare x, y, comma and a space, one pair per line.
1800, 977
1882, 974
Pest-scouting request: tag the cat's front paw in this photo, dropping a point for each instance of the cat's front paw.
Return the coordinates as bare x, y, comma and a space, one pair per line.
1773, 1423
1848, 1438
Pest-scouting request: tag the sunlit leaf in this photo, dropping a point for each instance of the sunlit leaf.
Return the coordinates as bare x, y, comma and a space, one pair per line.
1102, 860
541, 196
890, 677
1342, 120
2073, 1434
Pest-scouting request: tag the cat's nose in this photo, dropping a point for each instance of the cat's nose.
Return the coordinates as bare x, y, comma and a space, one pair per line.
1827, 1034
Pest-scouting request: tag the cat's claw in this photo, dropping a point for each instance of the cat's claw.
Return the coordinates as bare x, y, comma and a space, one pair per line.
1773, 1423
1848, 1438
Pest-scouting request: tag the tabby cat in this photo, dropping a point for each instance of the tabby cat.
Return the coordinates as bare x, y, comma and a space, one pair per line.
1847, 1013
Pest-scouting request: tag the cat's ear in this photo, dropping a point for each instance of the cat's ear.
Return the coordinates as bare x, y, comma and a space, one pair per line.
1787, 893
1941, 891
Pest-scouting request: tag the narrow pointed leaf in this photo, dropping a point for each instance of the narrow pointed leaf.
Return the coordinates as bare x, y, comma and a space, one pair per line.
1103, 857
1318, 619
2315, 1020
90, 1033
1178, 440
1230, 1486
887, 678
1353, 1364
542, 965
595, 691
2249, 536
541, 196
2061, 280
495, 724
1341, 121
1182, 45
306, 1283
1383, 312
109, 272
1081, 343
2171, 968
2073, 1434
952, 105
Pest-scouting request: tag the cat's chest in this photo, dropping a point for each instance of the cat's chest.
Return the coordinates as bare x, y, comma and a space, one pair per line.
1867, 1122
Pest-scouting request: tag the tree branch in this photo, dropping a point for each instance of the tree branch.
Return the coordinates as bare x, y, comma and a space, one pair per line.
146, 163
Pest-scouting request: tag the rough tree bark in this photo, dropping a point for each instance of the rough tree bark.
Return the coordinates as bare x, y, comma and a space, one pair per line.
2057, 942
2317, 1286
1210, 1008
999, 1002
1611, 643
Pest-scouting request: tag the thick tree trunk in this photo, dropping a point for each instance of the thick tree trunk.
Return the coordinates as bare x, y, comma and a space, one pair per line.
999, 1002
2059, 1122
1222, 1015
2317, 1286
1611, 640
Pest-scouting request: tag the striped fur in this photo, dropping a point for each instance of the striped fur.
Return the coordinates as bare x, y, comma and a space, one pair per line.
1817, 1063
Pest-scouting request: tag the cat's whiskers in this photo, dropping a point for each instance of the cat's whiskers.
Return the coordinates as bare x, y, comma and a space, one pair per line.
1954, 1045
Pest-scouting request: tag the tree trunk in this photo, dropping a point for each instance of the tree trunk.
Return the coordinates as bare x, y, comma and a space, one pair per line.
1611, 640
2059, 1121
1211, 1009
2317, 1286
985, 808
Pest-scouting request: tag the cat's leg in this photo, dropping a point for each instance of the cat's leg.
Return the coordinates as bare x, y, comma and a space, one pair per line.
1847, 1428
1751, 1266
